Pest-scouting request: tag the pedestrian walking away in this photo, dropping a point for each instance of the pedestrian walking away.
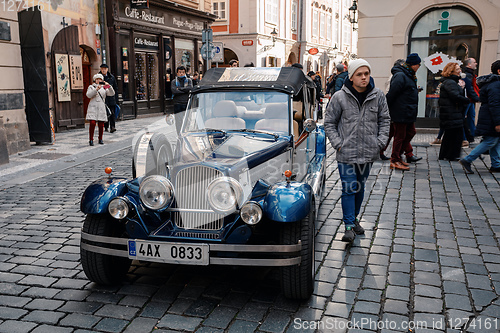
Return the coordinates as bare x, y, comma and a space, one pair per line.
472, 90
402, 100
181, 86
452, 102
111, 101
96, 112
488, 124
341, 76
357, 125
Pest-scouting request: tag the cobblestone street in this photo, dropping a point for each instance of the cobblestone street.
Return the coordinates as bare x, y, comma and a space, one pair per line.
429, 262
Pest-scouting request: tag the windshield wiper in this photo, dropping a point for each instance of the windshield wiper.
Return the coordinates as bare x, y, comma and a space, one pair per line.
247, 130
214, 130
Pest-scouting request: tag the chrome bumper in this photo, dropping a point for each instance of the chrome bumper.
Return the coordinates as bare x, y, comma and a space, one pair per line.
292, 250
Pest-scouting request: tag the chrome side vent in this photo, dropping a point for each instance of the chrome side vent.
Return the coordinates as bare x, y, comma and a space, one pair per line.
190, 191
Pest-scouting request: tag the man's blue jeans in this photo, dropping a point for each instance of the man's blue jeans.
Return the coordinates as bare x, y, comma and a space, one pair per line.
470, 114
491, 143
353, 178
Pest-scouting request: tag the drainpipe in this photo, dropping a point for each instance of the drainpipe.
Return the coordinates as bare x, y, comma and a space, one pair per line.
104, 31
301, 9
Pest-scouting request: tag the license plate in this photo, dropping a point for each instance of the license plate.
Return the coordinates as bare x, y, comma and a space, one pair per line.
173, 253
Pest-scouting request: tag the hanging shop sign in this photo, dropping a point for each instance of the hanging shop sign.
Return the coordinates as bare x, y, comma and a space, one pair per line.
139, 4
62, 75
247, 42
313, 51
75, 63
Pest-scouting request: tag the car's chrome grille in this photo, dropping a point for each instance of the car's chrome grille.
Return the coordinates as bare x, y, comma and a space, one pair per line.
190, 188
197, 235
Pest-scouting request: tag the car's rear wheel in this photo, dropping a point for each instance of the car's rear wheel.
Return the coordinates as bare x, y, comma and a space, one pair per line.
102, 268
297, 282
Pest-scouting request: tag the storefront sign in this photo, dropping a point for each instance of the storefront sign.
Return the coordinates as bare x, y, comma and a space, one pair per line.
247, 42
149, 42
62, 78
75, 62
140, 4
436, 62
444, 24
313, 51
166, 19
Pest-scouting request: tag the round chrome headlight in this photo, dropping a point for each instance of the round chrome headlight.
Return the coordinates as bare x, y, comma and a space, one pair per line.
251, 213
224, 194
118, 208
156, 192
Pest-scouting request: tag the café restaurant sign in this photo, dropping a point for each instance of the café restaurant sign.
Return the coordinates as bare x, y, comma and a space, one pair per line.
158, 17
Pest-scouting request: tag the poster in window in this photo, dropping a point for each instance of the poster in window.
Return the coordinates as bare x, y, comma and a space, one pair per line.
125, 78
75, 62
125, 65
124, 52
62, 78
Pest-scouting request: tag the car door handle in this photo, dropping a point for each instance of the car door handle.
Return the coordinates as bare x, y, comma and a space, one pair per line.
306, 150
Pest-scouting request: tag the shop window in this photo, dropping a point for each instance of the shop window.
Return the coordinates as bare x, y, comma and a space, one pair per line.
455, 32
124, 69
169, 73
184, 54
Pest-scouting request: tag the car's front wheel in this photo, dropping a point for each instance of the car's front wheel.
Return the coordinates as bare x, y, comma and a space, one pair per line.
102, 268
297, 282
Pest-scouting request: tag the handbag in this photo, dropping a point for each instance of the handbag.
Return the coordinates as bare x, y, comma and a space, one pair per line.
108, 111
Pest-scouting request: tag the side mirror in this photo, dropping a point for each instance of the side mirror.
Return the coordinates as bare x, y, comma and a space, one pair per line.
309, 125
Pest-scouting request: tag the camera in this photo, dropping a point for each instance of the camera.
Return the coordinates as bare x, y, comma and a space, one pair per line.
102, 83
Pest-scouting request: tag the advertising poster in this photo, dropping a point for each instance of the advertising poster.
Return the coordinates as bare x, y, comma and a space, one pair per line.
62, 78
75, 62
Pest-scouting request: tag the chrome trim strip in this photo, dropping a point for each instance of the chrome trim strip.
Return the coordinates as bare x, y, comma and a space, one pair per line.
104, 250
255, 262
142, 152
104, 239
189, 210
256, 248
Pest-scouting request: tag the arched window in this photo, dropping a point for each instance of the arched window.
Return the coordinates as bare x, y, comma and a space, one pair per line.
455, 32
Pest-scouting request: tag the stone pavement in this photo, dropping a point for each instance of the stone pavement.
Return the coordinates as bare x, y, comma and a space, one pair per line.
429, 260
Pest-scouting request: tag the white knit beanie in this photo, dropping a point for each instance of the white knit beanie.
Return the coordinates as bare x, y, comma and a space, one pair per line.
98, 76
355, 64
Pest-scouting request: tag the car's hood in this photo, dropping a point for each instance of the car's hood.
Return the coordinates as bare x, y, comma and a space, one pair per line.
226, 150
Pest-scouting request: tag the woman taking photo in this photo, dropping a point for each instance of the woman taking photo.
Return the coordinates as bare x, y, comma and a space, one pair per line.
452, 103
96, 111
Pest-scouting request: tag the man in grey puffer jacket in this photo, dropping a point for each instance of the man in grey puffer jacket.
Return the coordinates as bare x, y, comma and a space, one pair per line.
357, 124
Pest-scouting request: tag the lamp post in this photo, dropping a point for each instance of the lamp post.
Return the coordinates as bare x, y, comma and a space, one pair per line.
353, 14
274, 35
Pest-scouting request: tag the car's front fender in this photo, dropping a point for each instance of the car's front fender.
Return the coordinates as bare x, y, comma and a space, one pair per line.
96, 197
288, 202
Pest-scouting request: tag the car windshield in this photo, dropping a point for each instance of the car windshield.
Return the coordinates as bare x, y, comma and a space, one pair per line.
267, 111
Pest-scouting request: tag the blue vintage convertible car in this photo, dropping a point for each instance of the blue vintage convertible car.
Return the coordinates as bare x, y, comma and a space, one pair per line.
239, 185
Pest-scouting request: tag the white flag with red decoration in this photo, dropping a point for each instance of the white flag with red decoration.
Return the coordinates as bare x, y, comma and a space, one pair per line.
436, 62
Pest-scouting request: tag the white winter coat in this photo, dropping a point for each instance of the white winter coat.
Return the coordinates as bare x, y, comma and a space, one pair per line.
97, 106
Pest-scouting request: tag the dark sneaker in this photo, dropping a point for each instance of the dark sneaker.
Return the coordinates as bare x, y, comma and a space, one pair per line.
492, 169
101, 142
383, 157
91, 143
358, 229
413, 159
349, 235
466, 165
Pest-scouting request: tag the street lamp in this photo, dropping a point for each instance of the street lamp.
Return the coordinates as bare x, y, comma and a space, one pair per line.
353, 14
274, 35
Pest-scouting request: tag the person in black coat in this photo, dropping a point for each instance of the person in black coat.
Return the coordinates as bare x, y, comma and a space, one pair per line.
111, 101
452, 102
402, 99
488, 124
340, 78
